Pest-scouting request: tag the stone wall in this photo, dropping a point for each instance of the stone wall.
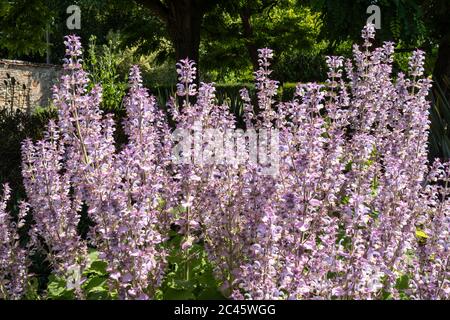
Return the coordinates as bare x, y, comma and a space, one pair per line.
25, 85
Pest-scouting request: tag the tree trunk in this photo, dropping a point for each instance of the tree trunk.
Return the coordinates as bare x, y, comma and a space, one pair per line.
184, 25
442, 67
252, 48
183, 20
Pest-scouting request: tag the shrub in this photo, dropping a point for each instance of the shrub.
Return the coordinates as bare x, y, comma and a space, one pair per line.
352, 211
103, 64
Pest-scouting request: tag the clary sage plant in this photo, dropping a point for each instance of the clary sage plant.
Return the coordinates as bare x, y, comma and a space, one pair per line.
353, 211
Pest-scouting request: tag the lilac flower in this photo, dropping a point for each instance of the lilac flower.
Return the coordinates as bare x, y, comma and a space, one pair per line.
55, 212
78, 164
186, 76
13, 259
416, 63
368, 33
73, 51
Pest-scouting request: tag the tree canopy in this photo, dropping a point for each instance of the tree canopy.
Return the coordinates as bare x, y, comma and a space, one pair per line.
223, 35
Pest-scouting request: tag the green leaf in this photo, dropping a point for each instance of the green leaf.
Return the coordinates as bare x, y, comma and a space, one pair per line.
93, 255
345, 200
181, 284
94, 283
98, 267
173, 294
387, 296
102, 294
57, 289
348, 166
32, 292
210, 294
402, 283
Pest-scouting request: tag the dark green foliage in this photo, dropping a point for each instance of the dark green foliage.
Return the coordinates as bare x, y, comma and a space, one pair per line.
287, 91
344, 19
14, 128
440, 123
102, 63
234, 31
436, 16
22, 27
301, 66
225, 93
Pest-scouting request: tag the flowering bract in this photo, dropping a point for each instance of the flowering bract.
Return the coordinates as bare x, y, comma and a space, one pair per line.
13, 258
353, 211
77, 164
